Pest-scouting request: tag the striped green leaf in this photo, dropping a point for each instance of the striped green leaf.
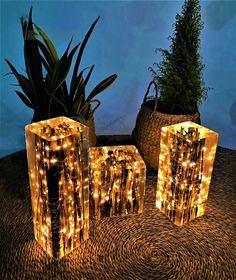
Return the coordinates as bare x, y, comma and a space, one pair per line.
24, 99
81, 50
101, 86
48, 43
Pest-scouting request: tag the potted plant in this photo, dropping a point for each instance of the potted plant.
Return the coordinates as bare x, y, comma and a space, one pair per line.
44, 86
178, 79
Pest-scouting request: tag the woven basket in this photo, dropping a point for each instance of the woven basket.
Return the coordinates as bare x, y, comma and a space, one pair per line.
92, 133
146, 133
91, 125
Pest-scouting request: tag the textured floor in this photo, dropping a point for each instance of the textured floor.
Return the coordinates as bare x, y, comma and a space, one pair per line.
136, 247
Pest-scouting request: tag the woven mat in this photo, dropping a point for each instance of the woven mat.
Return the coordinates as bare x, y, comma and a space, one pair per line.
148, 246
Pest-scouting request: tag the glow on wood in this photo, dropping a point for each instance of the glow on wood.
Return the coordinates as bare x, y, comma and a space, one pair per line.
187, 152
58, 172
117, 180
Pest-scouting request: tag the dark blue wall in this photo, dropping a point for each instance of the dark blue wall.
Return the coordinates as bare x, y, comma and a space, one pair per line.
123, 42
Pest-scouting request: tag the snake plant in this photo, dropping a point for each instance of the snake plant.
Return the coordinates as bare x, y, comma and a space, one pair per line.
44, 86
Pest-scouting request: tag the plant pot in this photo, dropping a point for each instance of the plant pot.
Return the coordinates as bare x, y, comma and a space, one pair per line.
91, 125
147, 131
92, 133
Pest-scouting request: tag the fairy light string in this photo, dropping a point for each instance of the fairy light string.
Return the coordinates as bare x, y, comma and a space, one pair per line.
185, 168
58, 171
117, 181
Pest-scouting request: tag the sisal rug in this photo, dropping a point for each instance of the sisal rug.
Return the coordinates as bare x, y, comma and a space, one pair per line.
137, 247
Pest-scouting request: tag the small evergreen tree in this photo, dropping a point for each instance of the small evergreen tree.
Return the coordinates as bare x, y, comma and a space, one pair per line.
179, 74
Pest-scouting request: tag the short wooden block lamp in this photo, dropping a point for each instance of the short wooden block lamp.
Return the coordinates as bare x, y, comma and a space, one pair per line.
117, 181
187, 152
58, 171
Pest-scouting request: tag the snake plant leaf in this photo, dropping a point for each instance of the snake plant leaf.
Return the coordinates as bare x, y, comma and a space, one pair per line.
78, 117
7, 74
81, 50
32, 62
26, 87
57, 99
48, 43
68, 47
63, 88
85, 81
61, 70
13, 69
45, 64
77, 82
24, 99
50, 62
87, 110
23, 26
81, 90
23, 82
58, 76
44, 86
71, 54
101, 86
77, 104
80, 93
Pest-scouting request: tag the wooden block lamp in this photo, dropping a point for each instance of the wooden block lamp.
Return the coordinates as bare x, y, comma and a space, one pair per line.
57, 152
117, 175
187, 152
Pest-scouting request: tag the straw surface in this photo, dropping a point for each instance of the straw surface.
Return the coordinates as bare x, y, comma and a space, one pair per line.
137, 247
147, 131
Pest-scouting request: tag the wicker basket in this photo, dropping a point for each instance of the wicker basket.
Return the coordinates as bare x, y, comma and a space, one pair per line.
91, 125
146, 133
92, 133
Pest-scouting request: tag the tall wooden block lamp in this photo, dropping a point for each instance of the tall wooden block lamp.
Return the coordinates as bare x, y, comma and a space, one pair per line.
185, 167
58, 172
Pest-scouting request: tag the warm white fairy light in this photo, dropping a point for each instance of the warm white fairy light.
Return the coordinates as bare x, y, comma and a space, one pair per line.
189, 156
117, 179
58, 177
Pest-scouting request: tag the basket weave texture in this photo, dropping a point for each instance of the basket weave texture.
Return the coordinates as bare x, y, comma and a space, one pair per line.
147, 131
92, 133
91, 125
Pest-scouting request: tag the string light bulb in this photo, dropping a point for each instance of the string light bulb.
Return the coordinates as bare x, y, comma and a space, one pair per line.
117, 181
187, 152
57, 152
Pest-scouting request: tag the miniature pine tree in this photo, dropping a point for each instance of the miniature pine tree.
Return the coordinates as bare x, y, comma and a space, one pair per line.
179, 74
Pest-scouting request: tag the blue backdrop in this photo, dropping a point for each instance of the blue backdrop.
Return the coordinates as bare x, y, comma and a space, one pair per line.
123, 42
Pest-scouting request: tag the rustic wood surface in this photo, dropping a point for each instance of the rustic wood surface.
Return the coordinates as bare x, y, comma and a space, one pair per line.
146, 246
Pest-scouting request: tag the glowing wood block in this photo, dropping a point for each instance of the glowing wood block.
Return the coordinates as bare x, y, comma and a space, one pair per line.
187, 153
117, 181
58, 172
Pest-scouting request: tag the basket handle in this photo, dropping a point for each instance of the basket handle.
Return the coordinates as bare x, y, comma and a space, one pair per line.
156, 94
98, 104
